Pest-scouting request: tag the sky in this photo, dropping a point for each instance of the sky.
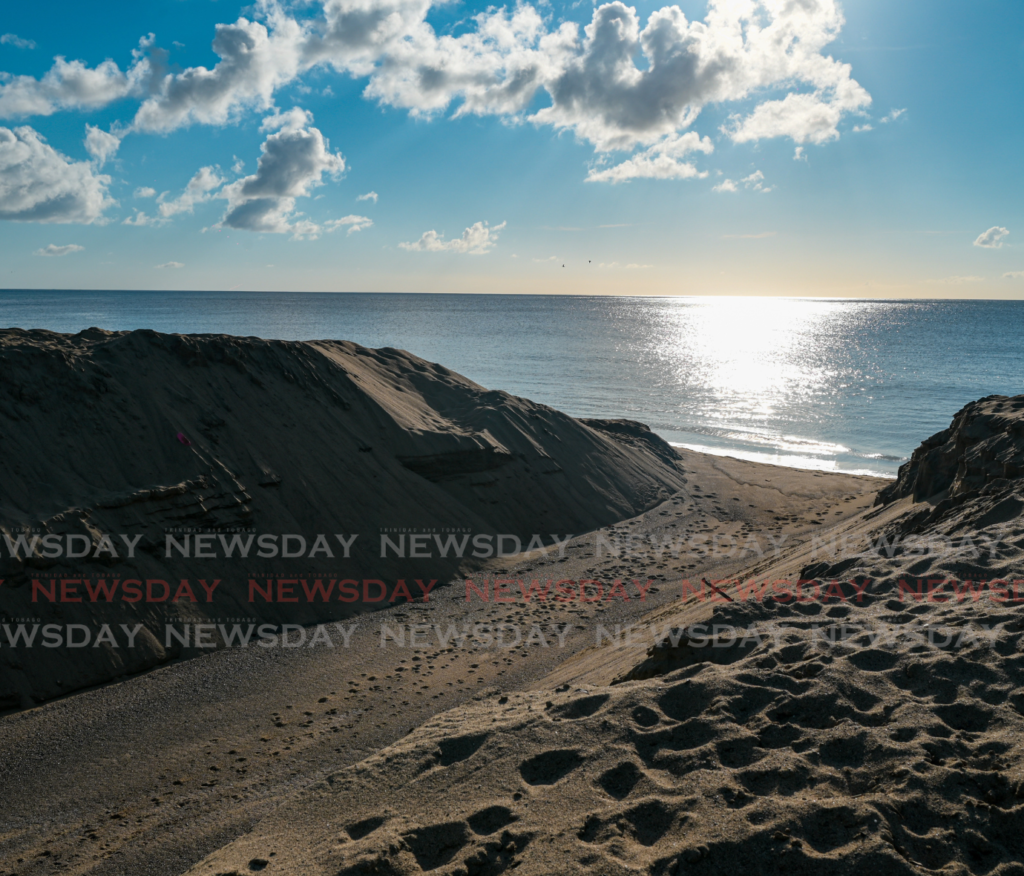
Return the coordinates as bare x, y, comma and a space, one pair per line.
861, 149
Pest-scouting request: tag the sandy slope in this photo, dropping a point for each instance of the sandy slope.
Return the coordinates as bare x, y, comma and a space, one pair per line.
119, 779
893, 747
281, 438
876, 732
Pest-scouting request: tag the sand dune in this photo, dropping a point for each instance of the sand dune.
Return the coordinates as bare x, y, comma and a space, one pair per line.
869, 720
891, 746
136, 435
154, 773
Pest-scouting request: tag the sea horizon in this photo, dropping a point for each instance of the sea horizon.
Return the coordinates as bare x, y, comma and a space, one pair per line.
792, 381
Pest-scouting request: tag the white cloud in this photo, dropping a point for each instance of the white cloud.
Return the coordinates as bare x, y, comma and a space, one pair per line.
476, 240
798, 154
993, 238
663, 160
197, 191
256, 59
1014, 275
892, 116
354, 223
755, 182
100, 145
55, 251
140, 219
741, 48
294, 160
166, 265
72, 85
238, 166
39, 184
144, 192
621, 84
369, 196
12, 39
862, 129
290, 120
804, 118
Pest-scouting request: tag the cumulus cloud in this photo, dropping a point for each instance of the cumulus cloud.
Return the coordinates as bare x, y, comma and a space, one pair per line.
140, 218
353, 222
12, 39
755, 181
144, 192
197, 191
53, 250
993, 238
369, 196
294, 160
804, 118
167, 265
256, 59
892, 116
478, 239
73, 85
663, 160
39, 184
620, 84
100, 144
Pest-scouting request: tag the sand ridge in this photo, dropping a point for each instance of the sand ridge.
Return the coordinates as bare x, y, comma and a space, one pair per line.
139, 436
275, 722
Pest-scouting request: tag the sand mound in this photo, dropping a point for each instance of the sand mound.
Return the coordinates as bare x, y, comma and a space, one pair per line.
983, 446
844, 734
141, 434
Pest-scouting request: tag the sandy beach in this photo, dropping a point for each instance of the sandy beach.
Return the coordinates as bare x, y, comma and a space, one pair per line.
724, 668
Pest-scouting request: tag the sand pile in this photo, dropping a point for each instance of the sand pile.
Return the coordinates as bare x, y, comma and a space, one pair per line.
878, 728
983, 447
134, 435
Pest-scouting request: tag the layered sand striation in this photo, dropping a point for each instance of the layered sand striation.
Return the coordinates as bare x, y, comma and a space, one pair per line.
135, 436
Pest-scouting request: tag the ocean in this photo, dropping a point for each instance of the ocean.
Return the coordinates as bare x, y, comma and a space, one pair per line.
835, 385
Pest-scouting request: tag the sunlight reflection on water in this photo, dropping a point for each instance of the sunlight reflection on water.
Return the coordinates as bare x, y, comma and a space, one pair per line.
813, 383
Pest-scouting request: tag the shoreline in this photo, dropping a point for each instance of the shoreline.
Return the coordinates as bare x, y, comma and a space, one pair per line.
486, 727
232, 700
768, 458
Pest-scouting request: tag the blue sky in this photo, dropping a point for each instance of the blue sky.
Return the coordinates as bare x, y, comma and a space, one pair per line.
779, 147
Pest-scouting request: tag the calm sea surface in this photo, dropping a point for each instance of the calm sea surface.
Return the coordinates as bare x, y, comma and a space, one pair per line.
827, 384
